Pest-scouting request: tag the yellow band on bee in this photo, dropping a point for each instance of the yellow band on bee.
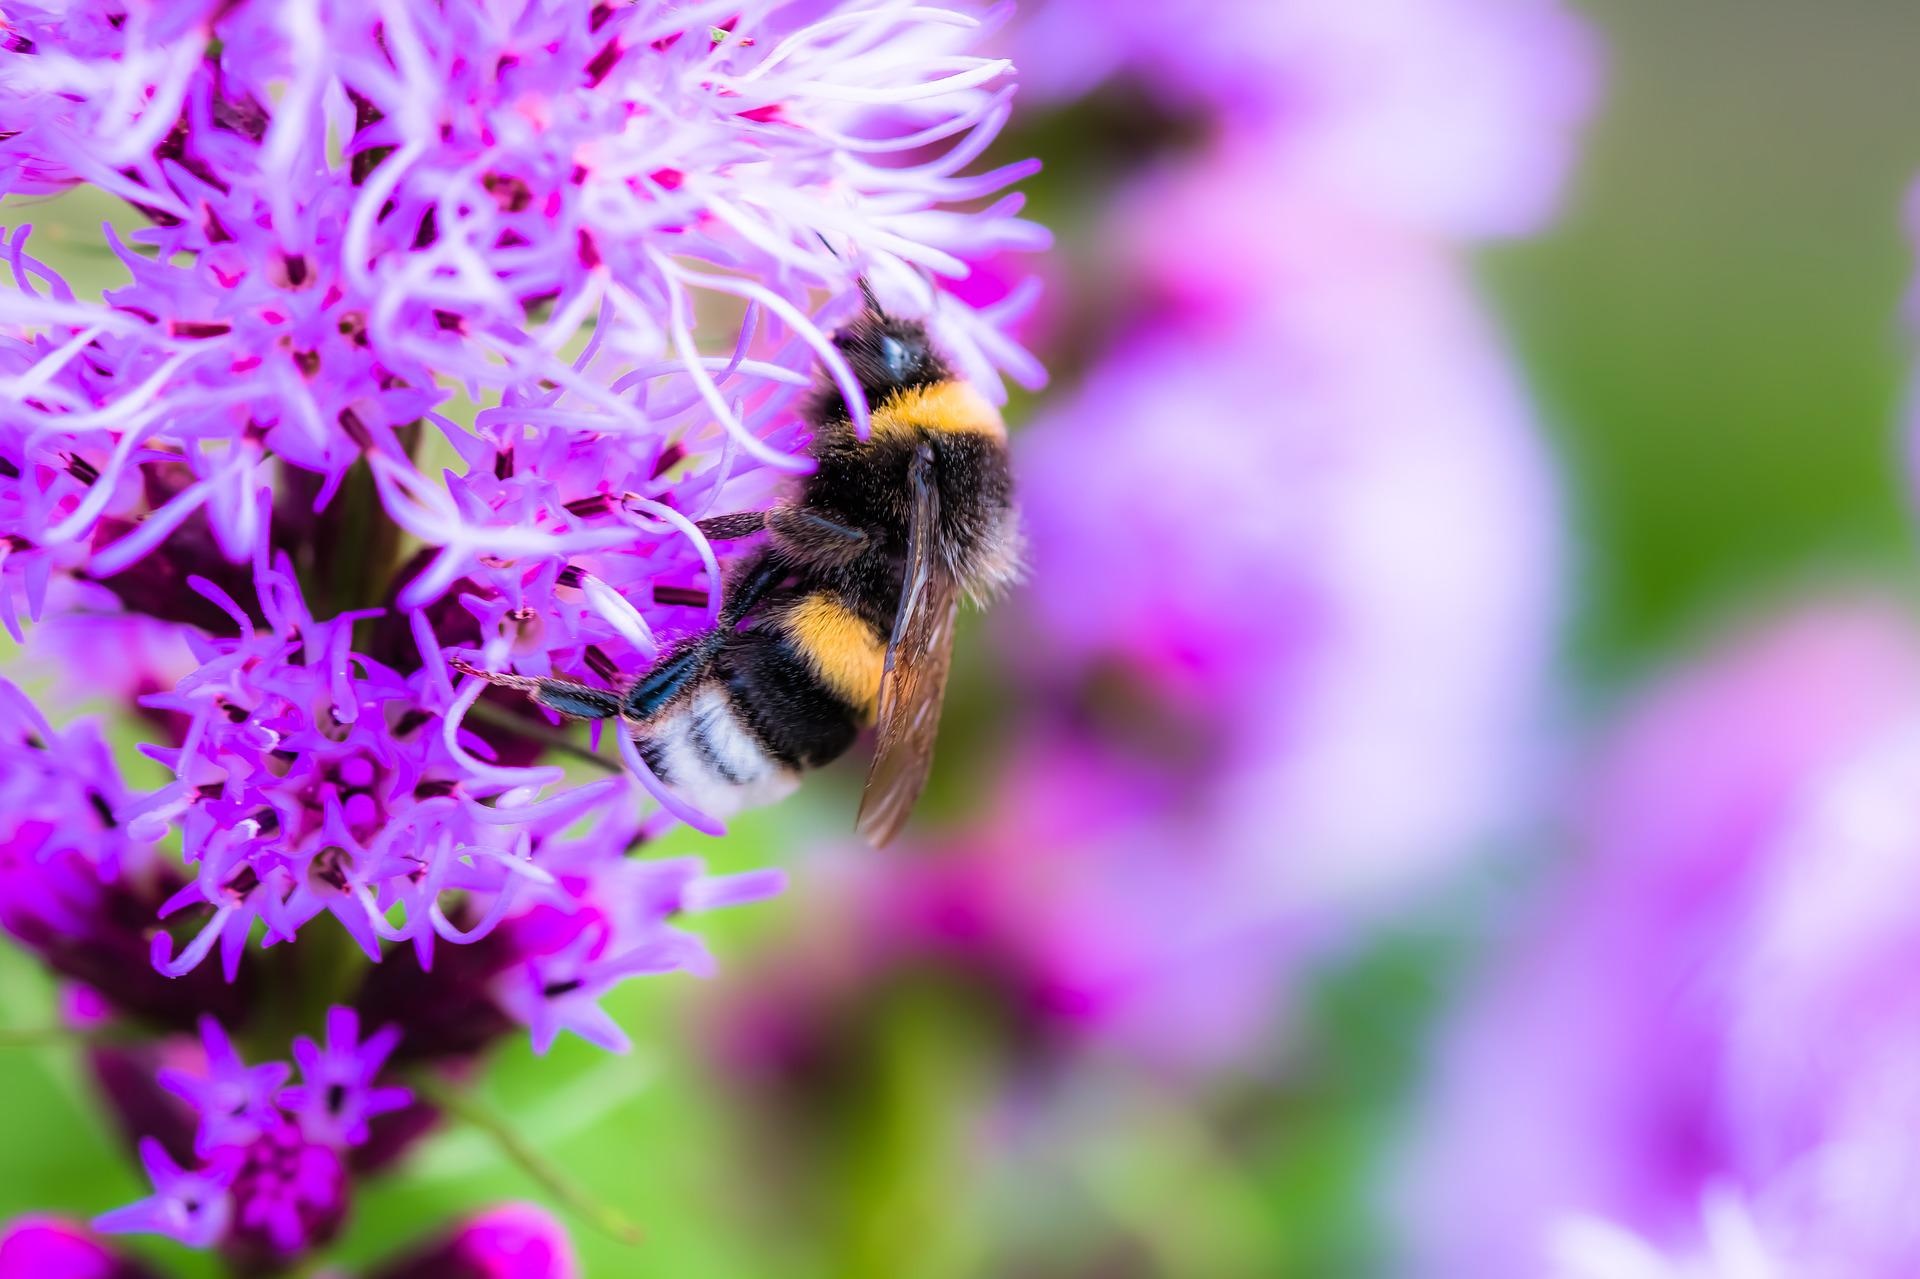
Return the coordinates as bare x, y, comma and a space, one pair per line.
843, 649
952, 407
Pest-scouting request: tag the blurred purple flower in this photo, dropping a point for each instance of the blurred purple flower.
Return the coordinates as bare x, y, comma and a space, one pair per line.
1704, 1049
194, 1207
337, 1094
234, 1102
272, 1180
514, 1241
1451, 116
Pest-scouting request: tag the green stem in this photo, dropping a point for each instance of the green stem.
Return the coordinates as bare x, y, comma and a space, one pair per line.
113, 1035
42, 1037
465, 1106
324, 968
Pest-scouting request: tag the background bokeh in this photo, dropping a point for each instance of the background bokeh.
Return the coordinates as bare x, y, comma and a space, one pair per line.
1711, 333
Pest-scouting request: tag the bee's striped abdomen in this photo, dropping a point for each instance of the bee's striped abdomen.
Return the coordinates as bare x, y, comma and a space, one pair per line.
842, 648
709, 756
763, 714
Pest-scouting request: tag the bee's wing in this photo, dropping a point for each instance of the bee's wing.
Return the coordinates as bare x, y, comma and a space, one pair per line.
914, 681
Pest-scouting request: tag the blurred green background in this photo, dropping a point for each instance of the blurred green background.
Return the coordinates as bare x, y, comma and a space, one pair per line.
1713, 331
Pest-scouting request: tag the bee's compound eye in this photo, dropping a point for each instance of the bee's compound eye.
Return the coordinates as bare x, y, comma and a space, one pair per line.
898, 359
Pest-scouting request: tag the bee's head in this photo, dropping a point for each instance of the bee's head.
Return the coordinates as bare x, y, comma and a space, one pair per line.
889, 354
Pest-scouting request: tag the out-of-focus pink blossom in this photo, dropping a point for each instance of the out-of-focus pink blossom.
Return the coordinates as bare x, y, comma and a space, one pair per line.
513, 1241
1455, 116
48, 1248
1713, 1025
1338, 575
1295, 544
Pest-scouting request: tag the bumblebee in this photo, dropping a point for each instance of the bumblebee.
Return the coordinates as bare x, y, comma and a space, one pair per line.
844, 616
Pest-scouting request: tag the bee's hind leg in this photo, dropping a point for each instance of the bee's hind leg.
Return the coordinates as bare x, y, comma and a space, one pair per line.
671, 675
687, 665
568, 697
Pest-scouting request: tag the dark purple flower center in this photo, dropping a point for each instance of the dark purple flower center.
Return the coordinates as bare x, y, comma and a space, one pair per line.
289, 1194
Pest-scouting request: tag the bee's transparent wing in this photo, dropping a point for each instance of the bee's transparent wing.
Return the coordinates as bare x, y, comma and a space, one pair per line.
914, 681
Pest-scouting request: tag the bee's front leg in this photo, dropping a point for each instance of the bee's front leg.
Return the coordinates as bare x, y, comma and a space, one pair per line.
807, 536
727, 528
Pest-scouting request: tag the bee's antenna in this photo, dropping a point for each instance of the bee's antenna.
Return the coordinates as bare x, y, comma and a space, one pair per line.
866, 289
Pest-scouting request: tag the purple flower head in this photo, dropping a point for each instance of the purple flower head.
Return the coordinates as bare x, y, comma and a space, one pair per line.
235, 1102
513, 1241
48, 1248
445, 324
313, 780
337, 1093
1707, 1033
